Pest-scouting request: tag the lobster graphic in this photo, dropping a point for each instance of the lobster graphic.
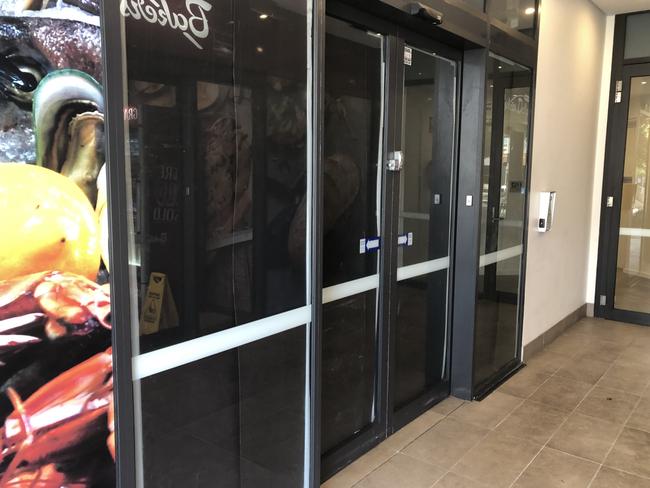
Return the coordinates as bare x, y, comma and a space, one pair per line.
47, 429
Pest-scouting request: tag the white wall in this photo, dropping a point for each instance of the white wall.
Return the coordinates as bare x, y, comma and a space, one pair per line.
570, 65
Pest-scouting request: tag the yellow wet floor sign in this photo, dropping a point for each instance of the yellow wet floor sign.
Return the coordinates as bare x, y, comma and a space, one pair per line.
159, 309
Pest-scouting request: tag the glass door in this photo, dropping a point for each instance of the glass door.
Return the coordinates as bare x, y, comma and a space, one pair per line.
420, 324
386, 233
503, 205
628, 296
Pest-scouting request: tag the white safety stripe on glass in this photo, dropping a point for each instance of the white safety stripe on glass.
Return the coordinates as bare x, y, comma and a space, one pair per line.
350, 288
420, 269
633, 232
170, 357
414, 216
502, 255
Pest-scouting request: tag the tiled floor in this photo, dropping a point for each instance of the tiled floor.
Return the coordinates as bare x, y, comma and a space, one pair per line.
577, 416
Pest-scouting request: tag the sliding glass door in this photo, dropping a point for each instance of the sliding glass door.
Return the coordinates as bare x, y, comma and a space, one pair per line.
388, 170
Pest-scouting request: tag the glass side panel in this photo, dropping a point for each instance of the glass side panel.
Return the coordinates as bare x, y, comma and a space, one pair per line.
503, 204
217, 156
633, 262
351, 181
517, 14
637, 36
429, 115
234, 420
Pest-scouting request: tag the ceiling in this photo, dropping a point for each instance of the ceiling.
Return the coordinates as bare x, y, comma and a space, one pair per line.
622, 6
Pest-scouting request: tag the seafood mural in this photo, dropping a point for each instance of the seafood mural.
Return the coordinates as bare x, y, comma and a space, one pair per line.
56, 376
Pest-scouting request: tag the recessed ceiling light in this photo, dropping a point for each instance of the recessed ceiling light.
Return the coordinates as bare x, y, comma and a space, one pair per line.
259, 49
644, 82
264, 16
500, 67
529, 11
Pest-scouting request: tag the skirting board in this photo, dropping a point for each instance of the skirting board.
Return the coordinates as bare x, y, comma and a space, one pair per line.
539, 343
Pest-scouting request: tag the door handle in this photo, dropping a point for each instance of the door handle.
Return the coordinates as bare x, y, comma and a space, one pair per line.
395, 161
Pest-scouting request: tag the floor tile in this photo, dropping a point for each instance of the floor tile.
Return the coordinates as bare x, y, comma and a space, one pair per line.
567, 344
612, 478
586, 437
452, 480
640, 418
488, 412
555, 469
445, 443
412, 431
401, 470
359, 468
636, 354
584, 369
561, 393
631, 452
627, 376
524, 383
602, 351
547, 362
608, 404
533, 421
448, 405
603, 330
497, 460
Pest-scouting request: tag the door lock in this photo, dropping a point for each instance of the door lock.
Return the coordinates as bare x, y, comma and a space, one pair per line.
395, 161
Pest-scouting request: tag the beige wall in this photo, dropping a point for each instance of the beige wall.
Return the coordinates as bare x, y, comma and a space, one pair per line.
567, 105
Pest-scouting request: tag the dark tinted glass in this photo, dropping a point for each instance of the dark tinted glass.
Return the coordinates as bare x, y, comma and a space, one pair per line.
217, 127
517, 14
429, 115
503, 204
353, 91
235, 420
637, 36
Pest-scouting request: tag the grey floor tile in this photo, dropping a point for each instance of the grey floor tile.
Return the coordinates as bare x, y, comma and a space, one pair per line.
524, 383
586, 437
412, 431
627, 376
561, 393
448, 405
452, 480
631, 452
359, 468
547, 362
608, 404
612, 478
533, 421
497, 460
445, 443
401, 470
488, 412
555, 469
584, 369
640, 418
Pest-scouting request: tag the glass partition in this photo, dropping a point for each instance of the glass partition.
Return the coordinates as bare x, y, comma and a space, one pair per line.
218, 172
503, 205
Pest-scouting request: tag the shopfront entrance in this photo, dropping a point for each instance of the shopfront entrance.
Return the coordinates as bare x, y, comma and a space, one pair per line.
389, 164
